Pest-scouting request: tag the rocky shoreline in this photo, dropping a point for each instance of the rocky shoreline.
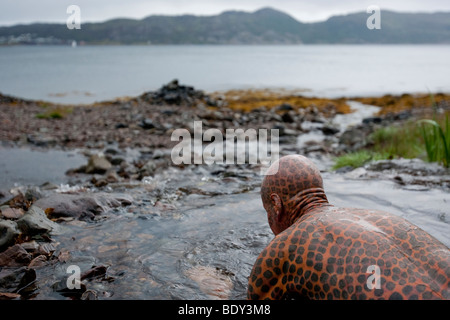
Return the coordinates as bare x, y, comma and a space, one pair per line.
128, 142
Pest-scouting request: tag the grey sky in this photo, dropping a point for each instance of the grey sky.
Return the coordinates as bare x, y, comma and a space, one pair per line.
28, 11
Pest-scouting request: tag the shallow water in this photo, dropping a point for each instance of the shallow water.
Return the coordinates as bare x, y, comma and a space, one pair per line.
25, 166
193, 233
190, 234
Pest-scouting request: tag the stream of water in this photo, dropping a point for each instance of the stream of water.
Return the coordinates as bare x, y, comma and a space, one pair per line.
202, 244
193, 233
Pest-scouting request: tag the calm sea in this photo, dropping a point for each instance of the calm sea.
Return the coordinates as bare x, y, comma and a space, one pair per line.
87, 74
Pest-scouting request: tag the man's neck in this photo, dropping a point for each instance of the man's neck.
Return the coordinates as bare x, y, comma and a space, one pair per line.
305, 202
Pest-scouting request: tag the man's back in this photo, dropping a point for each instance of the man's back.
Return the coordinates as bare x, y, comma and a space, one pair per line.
342, 253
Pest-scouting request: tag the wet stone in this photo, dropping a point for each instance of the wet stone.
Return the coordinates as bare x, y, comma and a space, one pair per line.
17, 280
38, 262
8, 233
81, 206
36, 222
14, 256
12, 213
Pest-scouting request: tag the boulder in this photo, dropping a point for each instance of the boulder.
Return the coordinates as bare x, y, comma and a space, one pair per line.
81, 206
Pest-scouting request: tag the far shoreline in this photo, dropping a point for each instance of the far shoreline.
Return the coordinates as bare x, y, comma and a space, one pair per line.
263, 94
281, 91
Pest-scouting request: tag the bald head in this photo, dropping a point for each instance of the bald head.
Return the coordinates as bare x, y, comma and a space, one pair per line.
291, 183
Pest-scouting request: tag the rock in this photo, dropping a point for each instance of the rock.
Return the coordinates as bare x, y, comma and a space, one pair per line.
39, 261
175, 94
89, 295
46, 249
8, 233
414, 167
17, 280
287, 117
31, 246
18, 201
121, 125
97, 164
370, 120
285, 107
356, 173
345, 169
329, 130
147, 124
99, 183
94, 273
14, 256
148, 169
289, 132
112, 176
172, 85
32, 194
12, 213
355, 138
319, 147
117, 161
48, 186
9, 296
36, 222
42, 140
81, 206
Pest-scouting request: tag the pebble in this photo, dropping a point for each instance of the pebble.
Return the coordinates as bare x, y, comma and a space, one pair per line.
97, 164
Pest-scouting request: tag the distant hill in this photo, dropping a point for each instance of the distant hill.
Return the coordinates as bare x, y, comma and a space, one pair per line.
265, 26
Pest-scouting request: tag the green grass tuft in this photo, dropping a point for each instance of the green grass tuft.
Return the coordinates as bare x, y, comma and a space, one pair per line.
399, 141
437, 140
50, 115
357, 159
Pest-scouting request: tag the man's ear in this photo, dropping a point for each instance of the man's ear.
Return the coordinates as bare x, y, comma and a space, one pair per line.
277, 206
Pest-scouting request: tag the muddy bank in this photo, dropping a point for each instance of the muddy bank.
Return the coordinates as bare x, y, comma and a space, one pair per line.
96, 188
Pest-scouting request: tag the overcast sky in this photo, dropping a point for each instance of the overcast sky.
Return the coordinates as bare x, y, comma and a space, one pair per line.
28, 11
